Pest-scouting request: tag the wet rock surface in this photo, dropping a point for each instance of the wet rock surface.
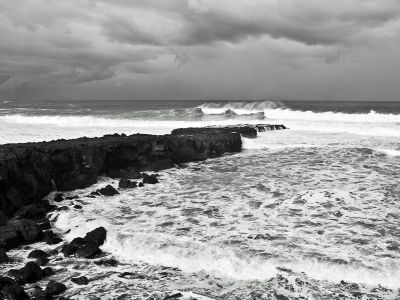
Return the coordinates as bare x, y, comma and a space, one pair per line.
30, 171
88, 246
247, 131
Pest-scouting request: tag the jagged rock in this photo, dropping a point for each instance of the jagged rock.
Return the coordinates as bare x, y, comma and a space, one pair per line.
3, 256
55, 288
9, 237
3, 219
150, 179
80, 280
248, 131
94, 194
37, 254
48, 272
62, 208
77, 206
124, 173
73, 164
88, 246
30, 273
111, 262
58, 197
161, 164
108, 191
97, 236
173, 296
69, 249
49, 237
40, 294
44, 224
127, 184
140, 184
28, 229
11, 290
31, 211
89, 250
40, 256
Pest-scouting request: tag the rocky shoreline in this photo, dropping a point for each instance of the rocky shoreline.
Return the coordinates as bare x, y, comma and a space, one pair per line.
29, 172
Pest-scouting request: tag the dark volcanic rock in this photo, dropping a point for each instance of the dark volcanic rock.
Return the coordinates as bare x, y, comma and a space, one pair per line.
40, 294
55, 288
40, 256
30, 273
69, 249
124, 173
94, 193
150, 179
27, 229
97, 236
111, 262
161, 164
127, 184
80, 280
37, 254
77, 206
108, 191
44, 224
49, 237
3, 219
140, 184
48, 272
9, 237
86, 247
28, 172
11, 290
3, 256
248, 131
31, 211
88, 250
173, 296
58, 197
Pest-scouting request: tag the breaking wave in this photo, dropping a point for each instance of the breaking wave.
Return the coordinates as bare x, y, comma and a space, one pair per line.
240, 108
278, 110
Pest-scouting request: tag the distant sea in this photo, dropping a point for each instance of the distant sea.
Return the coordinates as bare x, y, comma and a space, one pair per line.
312, 212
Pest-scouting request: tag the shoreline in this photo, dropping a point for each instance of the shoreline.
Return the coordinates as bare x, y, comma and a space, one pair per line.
31, 171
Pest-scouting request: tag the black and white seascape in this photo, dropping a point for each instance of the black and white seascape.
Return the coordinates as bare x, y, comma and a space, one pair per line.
209, 150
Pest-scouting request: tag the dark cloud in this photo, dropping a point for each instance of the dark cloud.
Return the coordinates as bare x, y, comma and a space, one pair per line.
72, 43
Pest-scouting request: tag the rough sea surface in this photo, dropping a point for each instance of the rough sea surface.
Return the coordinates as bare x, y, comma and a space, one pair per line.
307, 213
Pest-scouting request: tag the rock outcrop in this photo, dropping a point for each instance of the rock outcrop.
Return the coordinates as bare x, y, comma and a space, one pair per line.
247, 131
28, 172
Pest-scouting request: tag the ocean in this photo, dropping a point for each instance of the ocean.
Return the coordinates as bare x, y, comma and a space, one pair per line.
312, 212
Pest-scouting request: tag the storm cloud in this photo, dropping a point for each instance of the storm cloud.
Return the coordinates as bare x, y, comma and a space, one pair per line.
176, 49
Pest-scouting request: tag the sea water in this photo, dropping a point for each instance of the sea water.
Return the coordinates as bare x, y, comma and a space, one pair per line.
312, 212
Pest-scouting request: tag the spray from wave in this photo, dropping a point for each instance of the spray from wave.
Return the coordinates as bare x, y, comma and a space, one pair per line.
278, 110
240, 108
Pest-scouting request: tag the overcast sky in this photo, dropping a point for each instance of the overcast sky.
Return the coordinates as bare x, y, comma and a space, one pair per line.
200, 49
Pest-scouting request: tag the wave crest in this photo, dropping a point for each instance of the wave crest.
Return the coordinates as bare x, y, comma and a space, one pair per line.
240, 108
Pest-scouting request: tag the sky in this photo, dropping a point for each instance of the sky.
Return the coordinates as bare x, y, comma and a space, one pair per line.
200, 49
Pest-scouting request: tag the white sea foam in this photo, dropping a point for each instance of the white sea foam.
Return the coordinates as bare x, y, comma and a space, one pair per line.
240, 108
349, 273
277, 110
388, 152
94, 121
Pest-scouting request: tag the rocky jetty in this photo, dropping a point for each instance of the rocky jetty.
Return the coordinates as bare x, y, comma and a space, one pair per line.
247, 131
29, 172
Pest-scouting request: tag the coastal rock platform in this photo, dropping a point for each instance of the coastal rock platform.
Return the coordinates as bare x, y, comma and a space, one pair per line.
30, 171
